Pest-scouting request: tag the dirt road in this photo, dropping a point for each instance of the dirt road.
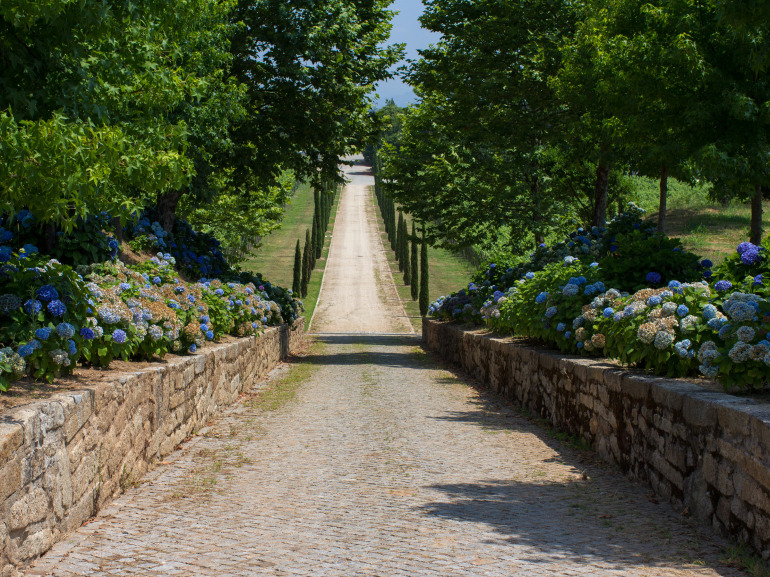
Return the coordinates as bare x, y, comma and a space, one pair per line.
358, 294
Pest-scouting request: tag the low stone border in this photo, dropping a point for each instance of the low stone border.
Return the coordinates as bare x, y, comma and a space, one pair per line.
701, 450
64, 458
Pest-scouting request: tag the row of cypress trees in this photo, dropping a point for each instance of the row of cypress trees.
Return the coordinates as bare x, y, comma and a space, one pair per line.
405, 245
305, 258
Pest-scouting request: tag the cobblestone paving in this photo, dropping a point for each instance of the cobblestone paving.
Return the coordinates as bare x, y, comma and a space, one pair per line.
383, 465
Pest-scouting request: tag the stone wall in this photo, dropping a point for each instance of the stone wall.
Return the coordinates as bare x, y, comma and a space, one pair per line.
63, 458
700, 449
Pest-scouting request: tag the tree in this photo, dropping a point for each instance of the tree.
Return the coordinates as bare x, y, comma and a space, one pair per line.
296, 285
406, 257
414, 264
306, 268
424, 276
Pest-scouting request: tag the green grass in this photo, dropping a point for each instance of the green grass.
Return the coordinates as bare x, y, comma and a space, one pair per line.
274, 259
448, 272
709, 229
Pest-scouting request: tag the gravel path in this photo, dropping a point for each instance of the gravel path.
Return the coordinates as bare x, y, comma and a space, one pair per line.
383, 464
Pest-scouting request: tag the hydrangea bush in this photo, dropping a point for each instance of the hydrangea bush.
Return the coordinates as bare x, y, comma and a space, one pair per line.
52, 318
714, 326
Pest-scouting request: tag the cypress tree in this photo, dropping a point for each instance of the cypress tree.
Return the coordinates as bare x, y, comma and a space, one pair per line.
306, 265
414, 264
313, 243
405, 257
296, 285
399, 240
424, 298
319, 239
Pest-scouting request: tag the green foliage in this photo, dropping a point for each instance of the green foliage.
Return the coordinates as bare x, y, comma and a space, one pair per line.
296, 285
638, 254
306, 265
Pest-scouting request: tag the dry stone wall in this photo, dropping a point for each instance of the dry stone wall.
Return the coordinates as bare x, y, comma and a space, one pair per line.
64, 458
702, 450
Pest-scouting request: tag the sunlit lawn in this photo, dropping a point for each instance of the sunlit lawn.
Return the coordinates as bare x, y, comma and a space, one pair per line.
709, 229
275, 257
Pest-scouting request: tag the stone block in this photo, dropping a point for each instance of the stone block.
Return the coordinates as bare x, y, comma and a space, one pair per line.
10, 478
28, 509
11, 438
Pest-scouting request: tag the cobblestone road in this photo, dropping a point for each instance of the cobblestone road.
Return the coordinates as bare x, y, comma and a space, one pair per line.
383, 465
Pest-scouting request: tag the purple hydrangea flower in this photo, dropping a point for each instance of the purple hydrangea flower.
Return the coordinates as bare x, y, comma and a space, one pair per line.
57, 308
119, 336
87, 333
723, 285
744, 246
32, 307
751, 256
758, 279
653, 277
47, 293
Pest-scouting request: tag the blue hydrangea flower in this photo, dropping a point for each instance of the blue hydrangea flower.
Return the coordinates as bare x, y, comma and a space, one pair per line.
204, 327
568, 335
570, 290
264, 319
529, 275
706, 263
745, 246
618, 316
72, 348
751, 256
43, 333
35, 344
723, 285
541, 298
191, 298
156, 280
561, 327
119, 336
47, 293
653, 277
580, 344
608, 312
716, 323
205, 319
5, 253
758, 279
654, 300
682, 310
550, 312
124, 286
65, 330
709, 312
674, 284
57, 308
25, 351
219, 292
87, 333
210, 335
193, 348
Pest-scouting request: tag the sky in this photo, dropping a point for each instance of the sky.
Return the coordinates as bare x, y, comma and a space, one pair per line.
406, 29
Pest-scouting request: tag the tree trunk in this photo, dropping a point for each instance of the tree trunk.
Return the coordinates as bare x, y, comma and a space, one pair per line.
117, 228
756, 215
600, 194
663, 198
50, 238
167, 203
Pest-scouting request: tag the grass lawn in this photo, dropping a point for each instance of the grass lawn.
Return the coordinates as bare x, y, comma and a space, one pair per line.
709, 229
275, 257
448, 272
